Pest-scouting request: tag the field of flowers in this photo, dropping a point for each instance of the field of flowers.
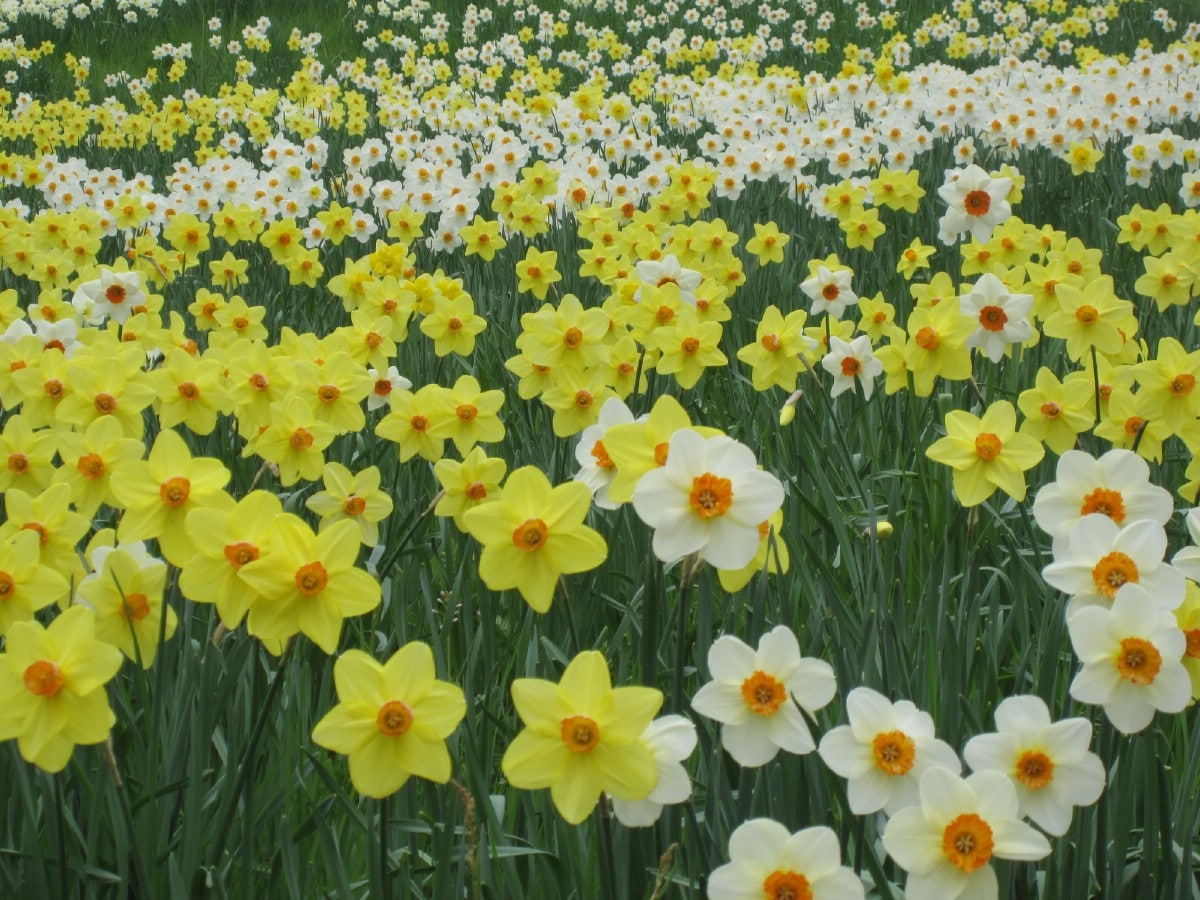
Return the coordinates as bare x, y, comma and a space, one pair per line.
618, 450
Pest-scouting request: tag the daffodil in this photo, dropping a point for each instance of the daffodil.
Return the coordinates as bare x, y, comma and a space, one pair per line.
752, 692
947, 842
1047, 762
533, 534
986, 453
392, 719
225, 538
766, 861
160, 491
26, 584
52, 693
354, 496
883, 752
308, 582
708, 498
582, 738
126, 592
1132, 656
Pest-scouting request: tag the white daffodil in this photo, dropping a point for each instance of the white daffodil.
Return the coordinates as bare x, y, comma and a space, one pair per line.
851, 361
111, 296
596, 469
668, 271
1047, 762
1100, 557
947, 843
1132, 659
708, 498
976, 204
830, 291
751, 694
766, 861
883, 752
671, 739
1002, 316
1116, 485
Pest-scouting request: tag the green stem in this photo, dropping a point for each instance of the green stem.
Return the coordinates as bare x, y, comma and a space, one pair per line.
60, 835
1096, 382
608, 862
135, 848
384, 862
225, 816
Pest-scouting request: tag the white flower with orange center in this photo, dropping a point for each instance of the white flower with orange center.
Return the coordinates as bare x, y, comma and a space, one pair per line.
1101, 557
596, 468
976, 204
947, 843
1047, 762
758, 695
1132, 659
708, 498
1116, 485
1001, 317
830, 291
768, 863
851, 361
113, 295
883, 752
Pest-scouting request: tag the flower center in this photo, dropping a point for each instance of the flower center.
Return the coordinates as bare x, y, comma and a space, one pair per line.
711, 495
105, 404
259, 381
328, 393
1086, 315
18, 463
354, 506
600, 454
664, 315
7, 586
895, 752
90, 466
237, 555
850, 366
454, 324
1193, 643
977, 203
137, 607
54, 390
583, 399
1102, 500
993, 318
771, 342
690, 345
418, 423
660, 453
476, 491
1034, 769
927, 339
1112, 571
466, 412
1133, 425
301, 439
530, 535
1138, 661
987, 446
763, 693
39, 529
572, 338
579, 733
174, 491
394, 718
44, 678
967, 842
786, 885
830, 292
115, 294
311, 579
1051, 410
1182, 385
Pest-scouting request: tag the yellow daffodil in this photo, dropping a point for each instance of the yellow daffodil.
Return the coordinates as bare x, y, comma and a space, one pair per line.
582, 738
392, 719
